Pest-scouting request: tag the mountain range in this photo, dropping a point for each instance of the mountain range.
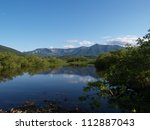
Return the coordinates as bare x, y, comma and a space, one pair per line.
93, 50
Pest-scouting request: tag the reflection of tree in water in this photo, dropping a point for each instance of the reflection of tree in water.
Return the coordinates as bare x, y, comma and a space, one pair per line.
127, 100
9, 74
92, 98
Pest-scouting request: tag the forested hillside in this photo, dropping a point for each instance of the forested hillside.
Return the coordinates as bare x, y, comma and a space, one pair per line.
8, 49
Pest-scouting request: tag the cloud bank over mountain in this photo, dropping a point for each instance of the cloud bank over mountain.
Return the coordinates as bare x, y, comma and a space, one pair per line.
78, 43
122, 41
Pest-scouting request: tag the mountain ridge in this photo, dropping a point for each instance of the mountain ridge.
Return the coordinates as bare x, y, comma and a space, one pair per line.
9, 49
93, 50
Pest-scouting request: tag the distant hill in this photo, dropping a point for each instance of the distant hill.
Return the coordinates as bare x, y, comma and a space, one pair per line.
8, 49
94, 50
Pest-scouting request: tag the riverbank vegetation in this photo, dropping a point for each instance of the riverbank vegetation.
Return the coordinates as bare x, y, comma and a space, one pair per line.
125, 77
13, 61
79, 60
128, 67
13, 64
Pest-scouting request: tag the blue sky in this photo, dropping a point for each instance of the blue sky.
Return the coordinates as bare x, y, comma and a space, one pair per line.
30, 24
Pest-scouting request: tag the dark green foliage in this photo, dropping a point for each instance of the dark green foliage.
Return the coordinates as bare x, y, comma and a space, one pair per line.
79, 61
76, 59
127, 100
105, 60
129, 66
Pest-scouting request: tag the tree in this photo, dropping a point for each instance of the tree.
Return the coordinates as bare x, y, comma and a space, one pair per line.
129, 67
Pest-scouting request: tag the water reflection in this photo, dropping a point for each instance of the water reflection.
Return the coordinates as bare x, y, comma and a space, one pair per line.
62, 86
10, 74
76, 89
81, 74
121, 98
82, 71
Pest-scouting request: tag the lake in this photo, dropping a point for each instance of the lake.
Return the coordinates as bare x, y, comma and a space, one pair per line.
66, 87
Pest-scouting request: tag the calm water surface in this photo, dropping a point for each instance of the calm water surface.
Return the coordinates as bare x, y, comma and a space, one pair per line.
64, 86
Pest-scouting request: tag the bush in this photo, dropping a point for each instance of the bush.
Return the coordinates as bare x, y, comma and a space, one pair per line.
129, 66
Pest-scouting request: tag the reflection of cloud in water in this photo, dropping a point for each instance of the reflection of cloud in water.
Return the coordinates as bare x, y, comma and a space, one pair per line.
81, 71
51, 75
78, 79
73, 78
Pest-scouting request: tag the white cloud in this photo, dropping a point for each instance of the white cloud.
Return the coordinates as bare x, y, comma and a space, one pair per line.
86, 43
129, 39
78, 43
51, 47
